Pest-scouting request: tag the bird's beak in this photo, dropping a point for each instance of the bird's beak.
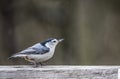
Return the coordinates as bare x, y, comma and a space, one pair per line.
60, 40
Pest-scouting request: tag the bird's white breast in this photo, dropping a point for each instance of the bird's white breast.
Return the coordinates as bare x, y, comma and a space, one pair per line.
43, 57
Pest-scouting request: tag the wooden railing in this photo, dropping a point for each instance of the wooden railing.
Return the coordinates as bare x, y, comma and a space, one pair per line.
59, 72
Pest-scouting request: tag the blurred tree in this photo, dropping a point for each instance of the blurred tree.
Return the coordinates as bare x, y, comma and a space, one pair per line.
8, 38
96, 28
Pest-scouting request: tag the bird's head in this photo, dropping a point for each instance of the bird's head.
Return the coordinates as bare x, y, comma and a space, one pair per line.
52, 42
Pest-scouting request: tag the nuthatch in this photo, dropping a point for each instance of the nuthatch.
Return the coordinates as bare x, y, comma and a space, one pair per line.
39, 52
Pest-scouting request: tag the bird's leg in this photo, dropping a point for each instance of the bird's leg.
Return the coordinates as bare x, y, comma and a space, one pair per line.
31, 60
31, 63
35, 64
41, 64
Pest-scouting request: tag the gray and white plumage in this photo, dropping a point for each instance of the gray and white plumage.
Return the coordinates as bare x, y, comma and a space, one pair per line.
39, 52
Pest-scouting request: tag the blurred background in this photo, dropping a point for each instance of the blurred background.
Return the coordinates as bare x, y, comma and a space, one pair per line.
91, 29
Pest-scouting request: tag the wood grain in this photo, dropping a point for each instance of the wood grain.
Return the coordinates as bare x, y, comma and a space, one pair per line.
59, 72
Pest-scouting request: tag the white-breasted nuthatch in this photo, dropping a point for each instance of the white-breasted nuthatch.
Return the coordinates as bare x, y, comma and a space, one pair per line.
39, 52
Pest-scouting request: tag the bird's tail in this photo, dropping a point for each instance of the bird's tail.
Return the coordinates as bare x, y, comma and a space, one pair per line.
12, 57
16, 56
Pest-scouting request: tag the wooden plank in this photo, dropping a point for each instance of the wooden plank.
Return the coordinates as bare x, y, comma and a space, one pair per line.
118, 73
59, 72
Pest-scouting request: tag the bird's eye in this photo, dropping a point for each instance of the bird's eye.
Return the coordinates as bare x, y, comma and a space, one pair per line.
54, 41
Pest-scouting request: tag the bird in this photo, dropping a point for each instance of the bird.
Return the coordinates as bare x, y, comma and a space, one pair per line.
39, 52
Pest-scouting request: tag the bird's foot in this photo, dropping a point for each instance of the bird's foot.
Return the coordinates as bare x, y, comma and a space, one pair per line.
34, 66
37, 64
31, 63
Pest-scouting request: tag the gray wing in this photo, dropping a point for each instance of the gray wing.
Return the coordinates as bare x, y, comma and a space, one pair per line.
36, 49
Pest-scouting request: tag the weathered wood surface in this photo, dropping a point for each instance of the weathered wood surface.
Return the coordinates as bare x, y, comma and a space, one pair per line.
59, 72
